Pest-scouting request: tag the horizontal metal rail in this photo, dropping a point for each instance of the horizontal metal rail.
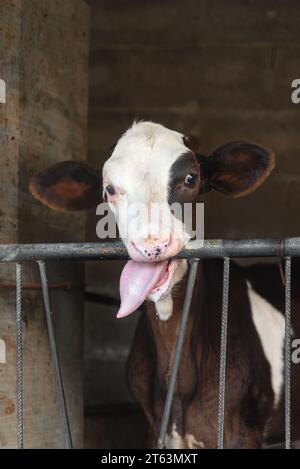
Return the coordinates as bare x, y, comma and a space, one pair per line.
116, 250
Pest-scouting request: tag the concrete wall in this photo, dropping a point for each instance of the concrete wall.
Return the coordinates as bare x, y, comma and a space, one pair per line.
44, 61
221, 70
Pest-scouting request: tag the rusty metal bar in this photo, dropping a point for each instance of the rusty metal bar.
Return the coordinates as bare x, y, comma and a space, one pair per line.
287, 353
116, 250
55, 358
178, 352
19, 357
223, 353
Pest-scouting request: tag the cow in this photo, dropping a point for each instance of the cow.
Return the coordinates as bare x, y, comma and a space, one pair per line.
151, 164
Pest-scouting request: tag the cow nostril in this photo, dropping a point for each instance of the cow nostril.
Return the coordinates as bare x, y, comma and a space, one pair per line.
154, 251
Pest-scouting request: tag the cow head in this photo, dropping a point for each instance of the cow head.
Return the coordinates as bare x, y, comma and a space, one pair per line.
150, 169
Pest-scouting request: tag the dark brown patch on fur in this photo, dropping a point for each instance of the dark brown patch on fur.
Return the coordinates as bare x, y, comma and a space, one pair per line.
69, 185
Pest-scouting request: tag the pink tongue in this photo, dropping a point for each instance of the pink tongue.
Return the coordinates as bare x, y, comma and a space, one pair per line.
136, 282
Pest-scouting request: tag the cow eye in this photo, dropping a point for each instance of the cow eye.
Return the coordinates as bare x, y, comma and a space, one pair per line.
190, 180
110, 190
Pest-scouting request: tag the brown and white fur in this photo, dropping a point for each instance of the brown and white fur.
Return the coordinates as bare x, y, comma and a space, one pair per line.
153, 164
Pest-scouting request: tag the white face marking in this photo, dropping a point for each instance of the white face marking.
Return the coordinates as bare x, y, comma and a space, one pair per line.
164, 303
139, 168
175, 441
139, 171
270, 325
164, 307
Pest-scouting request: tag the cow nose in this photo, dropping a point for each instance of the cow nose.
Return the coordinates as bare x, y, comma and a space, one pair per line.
152, 250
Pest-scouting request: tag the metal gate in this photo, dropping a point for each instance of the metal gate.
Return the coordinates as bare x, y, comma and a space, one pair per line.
225, 249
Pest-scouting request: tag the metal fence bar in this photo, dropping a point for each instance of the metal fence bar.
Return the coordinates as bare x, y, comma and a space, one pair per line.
19, 356
195, 249
178, 352
223, 353
63, 404
287, 354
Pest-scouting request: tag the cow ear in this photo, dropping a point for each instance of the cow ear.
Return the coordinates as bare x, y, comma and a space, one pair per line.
236, 168
192, 142
68, 185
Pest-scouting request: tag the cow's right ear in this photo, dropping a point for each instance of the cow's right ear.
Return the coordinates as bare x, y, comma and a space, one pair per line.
69, 185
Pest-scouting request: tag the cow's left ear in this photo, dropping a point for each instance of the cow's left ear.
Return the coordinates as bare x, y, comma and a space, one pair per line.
236, 168
69, 185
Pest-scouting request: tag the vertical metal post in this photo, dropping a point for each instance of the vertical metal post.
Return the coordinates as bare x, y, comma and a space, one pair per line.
55, 358
178, 352
223, 352
19, 357
287, 353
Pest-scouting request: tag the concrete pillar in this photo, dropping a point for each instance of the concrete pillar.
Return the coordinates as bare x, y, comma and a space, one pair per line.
44, 63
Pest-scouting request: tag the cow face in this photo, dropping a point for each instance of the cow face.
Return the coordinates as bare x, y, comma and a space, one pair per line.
150, 169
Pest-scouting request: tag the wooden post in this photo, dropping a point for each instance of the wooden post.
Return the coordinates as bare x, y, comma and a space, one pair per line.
44, 64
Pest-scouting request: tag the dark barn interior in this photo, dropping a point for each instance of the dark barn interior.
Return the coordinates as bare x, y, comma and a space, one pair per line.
219, 70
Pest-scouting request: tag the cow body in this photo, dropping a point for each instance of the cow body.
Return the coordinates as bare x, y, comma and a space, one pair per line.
250, 396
